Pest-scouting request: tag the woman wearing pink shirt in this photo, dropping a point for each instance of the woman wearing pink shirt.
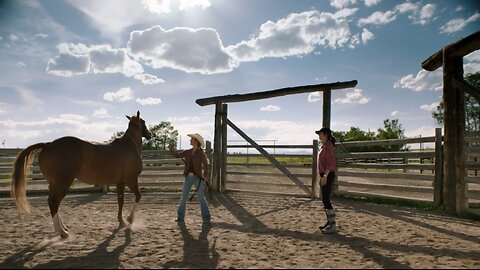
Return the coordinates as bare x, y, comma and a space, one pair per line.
327, 165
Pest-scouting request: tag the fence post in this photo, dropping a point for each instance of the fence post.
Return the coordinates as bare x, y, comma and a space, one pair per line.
438, 180
208, 152
223, 171
315, 186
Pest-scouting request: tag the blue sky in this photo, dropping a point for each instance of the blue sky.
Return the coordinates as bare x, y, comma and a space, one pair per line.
76, 67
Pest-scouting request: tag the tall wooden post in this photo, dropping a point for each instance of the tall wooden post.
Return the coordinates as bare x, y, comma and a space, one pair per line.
454, 188
438, 182
223, 170
327, 104
315, 184
217, 146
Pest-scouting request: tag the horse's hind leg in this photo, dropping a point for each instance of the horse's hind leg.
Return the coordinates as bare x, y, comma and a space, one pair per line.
57, 191
134, 188
120, 194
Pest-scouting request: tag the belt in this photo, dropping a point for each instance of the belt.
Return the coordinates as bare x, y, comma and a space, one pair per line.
190, 174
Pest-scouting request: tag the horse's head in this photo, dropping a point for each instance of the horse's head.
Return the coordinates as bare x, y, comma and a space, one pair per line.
139, 123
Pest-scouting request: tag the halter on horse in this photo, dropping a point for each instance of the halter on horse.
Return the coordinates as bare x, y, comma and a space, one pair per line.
63, 160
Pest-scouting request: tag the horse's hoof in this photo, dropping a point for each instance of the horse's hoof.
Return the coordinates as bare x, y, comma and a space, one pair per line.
122, 225
64, 235
130, 220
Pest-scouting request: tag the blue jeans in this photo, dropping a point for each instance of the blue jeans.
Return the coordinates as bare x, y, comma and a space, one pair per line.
187, 186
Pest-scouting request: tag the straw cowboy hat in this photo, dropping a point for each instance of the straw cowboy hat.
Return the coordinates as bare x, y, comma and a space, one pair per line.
199, 138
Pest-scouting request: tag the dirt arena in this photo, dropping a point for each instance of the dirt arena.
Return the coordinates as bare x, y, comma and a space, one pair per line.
247, 231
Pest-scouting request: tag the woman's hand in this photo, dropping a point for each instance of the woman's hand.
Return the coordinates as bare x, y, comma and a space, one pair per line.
323, 181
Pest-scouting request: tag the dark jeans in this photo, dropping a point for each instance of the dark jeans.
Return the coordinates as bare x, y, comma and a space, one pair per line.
327, 190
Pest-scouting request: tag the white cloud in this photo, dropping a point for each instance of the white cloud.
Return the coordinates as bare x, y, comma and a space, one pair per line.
425, 15
430, 107
76, 59
183, 119
270, 108
354, 97
370, 3
341, 3
459, 8
13, 37
122, 95
345, 13
367, 35
473, 56
158, 6
424, 131
191, 50
101, 113
187, 4
297, 34
396, 113
149, 101
378, 18
424, 80
315, 96
458, 24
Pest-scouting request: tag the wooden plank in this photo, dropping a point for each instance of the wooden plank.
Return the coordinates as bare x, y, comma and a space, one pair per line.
274, 155
268, 156
472, 179
223, 170
295, 146
265, 165
387, 166
386, 142
372, 155
402, 188
297, 195
269, 174
459, 48
468, 88
420, 177
275, 93
263, 184
217, 148
473, 194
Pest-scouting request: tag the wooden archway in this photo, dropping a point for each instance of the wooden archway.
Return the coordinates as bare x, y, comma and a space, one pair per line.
454, 88
221, 122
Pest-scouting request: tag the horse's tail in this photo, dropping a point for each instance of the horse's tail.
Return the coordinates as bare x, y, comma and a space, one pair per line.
19, 175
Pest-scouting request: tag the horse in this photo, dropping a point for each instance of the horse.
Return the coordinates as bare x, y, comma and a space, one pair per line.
65, 159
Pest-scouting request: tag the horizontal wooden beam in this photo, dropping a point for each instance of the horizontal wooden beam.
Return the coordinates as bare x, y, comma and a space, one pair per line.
276, 93
459, 48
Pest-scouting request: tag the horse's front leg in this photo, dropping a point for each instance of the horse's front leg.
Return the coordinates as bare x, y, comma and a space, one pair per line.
134, 188
120, 199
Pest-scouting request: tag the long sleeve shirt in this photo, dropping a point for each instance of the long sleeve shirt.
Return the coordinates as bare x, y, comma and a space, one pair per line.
196, 162
326, 158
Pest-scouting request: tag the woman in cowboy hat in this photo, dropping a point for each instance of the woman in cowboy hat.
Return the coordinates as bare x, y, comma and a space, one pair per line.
327, 165
196, 173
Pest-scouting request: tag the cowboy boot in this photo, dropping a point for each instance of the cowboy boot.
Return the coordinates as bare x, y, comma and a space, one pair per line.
326, 223
331, 227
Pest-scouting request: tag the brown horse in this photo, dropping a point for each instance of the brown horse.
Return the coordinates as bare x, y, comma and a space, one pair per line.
61, 161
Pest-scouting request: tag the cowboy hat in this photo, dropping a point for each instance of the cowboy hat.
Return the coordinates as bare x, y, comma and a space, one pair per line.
199, 138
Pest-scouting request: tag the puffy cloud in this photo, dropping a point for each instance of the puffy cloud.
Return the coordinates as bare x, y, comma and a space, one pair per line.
77, 59
191, 50
297, 34
370, 3
315, 96
341, 3
270, 108
458, 24
430, 107
122, 95
187, 4
101, 113
378, 17
354, 97
149, 101
424, 80
367, 35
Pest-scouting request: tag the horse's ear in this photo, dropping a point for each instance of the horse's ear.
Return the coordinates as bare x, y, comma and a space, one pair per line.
138, 114
128, 117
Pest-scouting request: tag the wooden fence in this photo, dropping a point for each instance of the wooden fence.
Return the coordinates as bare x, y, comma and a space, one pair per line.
408, 174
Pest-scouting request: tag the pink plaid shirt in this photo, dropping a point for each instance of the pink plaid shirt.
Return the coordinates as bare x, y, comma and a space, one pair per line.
326, 158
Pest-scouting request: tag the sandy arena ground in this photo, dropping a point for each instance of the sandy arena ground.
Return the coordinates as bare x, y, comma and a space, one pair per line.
247, 231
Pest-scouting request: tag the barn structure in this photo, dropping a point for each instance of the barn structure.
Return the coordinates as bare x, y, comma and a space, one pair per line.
221, 121
450, 58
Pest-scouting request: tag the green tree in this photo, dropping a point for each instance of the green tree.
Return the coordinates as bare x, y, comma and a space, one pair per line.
163, 134
392, 129
472, 107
